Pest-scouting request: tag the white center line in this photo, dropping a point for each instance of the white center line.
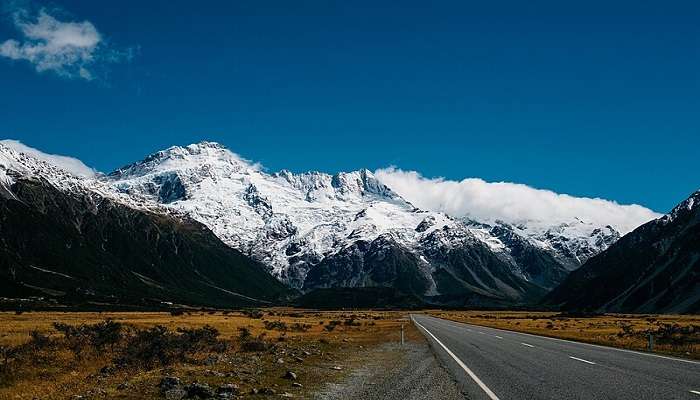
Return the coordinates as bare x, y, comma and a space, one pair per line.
695, 392
582, 360
525, 344
469, 372
498, 337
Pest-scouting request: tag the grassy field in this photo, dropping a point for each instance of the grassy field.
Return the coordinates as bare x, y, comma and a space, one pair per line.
674, 334
252, 352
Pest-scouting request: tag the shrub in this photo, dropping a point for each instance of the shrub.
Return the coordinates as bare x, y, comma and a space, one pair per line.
255, 314
351, 322
678, 337
252, 344
244, 334
159, 345
331, 325
297, 327
625, 330
38, 341
275, 325
98, 336
150, 346
200, 339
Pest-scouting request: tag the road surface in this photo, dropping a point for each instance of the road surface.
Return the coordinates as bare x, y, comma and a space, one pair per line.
495, 364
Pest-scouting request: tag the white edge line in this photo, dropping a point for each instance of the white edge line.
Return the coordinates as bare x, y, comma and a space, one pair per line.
582, 360
460, 363
574, 342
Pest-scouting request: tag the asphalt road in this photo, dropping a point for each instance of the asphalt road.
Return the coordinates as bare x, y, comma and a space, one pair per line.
496, 364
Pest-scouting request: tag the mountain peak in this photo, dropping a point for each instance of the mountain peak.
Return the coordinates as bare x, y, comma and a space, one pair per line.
361, 182
199, 155
686, 206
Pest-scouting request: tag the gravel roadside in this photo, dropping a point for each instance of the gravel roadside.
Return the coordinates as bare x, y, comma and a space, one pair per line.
408, 372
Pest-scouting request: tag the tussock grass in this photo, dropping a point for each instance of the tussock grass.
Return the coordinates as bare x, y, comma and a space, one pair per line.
55, 355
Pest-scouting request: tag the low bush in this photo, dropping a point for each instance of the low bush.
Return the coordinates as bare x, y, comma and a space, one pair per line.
255, 314
275, 325
161, 346
331, 325
249, 343
96, 336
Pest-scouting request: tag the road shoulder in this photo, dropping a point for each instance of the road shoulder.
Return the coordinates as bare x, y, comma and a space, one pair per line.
395, 372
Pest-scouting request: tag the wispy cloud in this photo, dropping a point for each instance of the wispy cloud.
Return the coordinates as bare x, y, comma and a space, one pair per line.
70, 164
69, 49
510, 202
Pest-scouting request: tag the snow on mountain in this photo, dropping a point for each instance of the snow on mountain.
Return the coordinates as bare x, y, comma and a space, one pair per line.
271, 216
76, 240
16, 164
292, 221
686, 206
572, 242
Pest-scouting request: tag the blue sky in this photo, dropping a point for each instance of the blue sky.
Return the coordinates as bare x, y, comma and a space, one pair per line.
598, 99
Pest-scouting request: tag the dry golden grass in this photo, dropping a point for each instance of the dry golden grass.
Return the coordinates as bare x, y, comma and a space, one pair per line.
16, 328
617, 330
61, 375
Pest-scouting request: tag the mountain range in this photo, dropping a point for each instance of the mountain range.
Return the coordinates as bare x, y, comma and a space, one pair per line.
655, 268
239, 225
71, 241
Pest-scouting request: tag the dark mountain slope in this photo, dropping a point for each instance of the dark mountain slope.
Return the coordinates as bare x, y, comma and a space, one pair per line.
81, 247
442, 273
655, 268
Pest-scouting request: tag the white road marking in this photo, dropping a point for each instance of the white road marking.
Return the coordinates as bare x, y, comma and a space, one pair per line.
695, 392
497, 337
578, 343
469, 372
525, 344
582, 360
481, 333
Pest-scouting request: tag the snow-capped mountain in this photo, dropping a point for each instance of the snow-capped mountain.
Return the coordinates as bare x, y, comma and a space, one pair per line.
75, 240
272, 217
320, 230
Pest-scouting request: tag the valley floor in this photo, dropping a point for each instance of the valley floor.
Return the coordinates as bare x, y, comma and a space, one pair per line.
255, 354
269, 353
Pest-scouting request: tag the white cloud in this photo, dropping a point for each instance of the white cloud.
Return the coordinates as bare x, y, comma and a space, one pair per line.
70, 164
510, 202
69, 49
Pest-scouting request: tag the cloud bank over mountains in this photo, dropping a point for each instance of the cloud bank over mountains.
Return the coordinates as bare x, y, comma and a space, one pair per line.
510, 202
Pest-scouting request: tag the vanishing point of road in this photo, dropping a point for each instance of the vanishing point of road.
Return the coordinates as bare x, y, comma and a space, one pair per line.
496, 364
